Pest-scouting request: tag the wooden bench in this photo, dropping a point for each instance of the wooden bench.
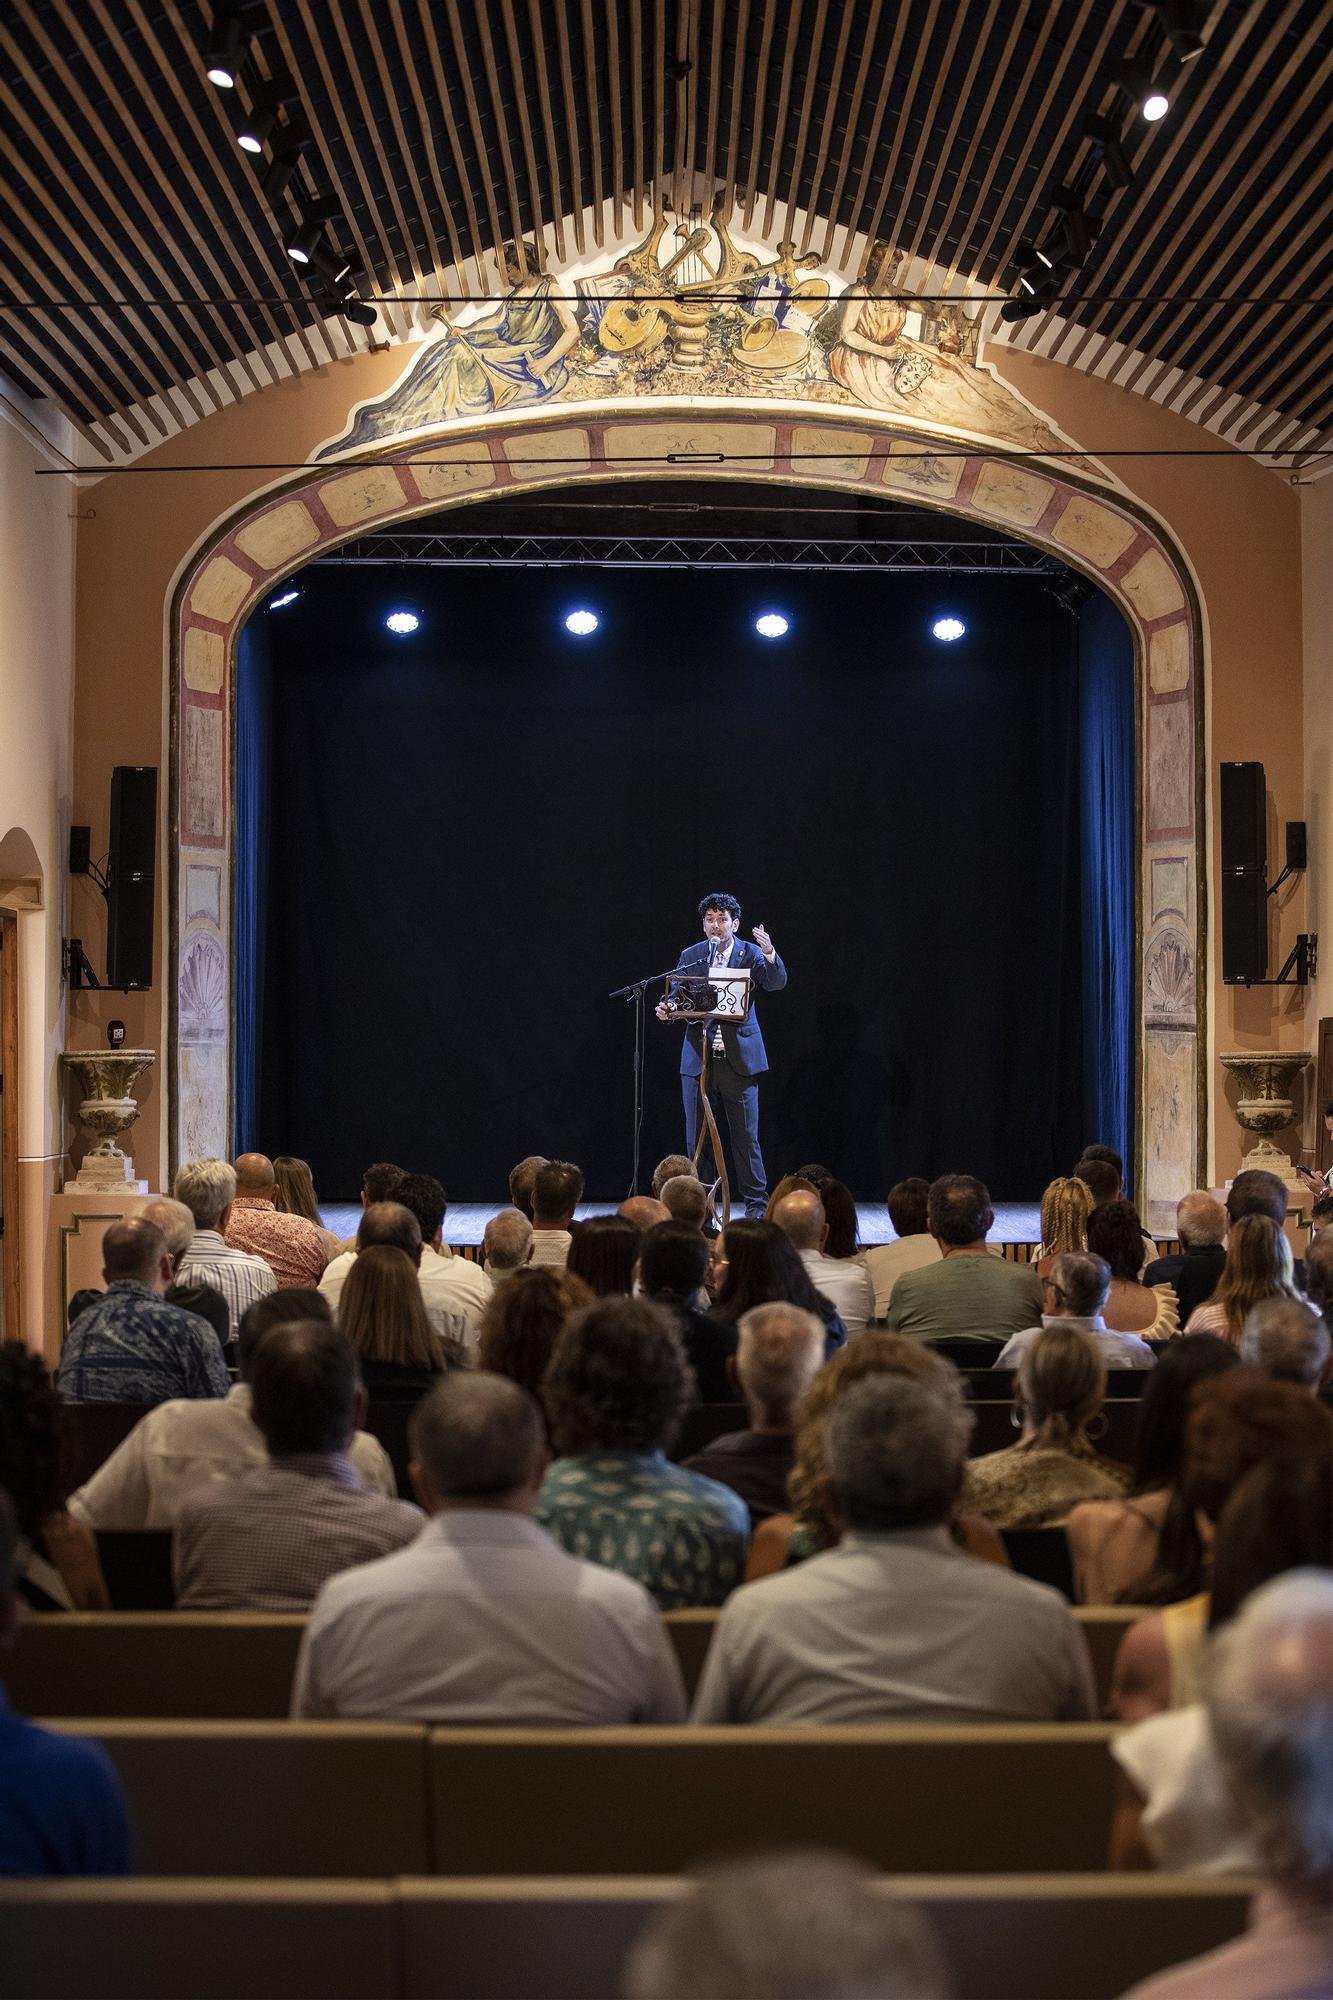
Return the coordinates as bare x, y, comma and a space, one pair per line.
1074, 1937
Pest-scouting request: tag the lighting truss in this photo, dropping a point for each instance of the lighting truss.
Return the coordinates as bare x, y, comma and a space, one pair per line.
454, 550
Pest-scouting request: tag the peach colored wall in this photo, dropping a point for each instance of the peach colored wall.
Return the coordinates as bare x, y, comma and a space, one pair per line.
1317, 594
1237, 525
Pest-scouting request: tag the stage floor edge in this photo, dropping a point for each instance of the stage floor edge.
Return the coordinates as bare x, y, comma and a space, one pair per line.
1015, 1221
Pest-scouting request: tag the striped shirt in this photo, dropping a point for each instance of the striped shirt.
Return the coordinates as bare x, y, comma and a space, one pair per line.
134, 1347
268, 1540
295, 1249
239, 1277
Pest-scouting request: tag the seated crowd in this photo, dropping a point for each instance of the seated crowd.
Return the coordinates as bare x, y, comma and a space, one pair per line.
854, 1545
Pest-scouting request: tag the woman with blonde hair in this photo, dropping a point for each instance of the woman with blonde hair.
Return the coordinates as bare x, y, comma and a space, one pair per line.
1053, 1466
1065, 1208
381, 1311
785, 1539
295, 1195
1258, 1267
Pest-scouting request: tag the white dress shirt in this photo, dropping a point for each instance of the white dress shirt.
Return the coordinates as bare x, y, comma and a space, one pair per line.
450, 1318
896, 1627
180, 1446
550, 1246
886, 1263
1118, 1350
484, 1620
846, 1283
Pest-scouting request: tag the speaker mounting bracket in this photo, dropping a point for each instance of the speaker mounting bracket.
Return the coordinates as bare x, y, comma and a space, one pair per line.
1298, 967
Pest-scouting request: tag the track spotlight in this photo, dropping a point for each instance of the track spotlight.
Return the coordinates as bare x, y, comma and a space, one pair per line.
1014, 310
1078, 229
1179, 18
1105, 142
358, 312
286, 158
222, 57
335, 265
1148, 98
301, 240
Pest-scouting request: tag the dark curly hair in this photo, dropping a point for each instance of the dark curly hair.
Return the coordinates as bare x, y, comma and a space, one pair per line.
720, 901
1115, 1233
30, 1441
522, 1323
618, 1380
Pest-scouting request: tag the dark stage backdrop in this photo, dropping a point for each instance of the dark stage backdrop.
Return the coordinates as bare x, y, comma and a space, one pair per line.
474, 833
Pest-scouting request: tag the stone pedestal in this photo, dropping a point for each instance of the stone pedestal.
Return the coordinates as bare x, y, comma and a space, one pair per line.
1265, 1107
107, 1077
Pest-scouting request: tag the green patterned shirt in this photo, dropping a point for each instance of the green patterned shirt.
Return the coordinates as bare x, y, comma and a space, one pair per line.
682, 1536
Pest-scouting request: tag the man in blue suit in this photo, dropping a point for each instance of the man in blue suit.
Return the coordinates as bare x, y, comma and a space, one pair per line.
738, 1058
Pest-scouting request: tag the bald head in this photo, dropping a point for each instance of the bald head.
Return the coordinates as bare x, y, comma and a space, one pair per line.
644, 1211
781, 1351
477, 1441
254, 1174
1200, 1220
175, 1221
136, 1251
389, 1225
800, 1217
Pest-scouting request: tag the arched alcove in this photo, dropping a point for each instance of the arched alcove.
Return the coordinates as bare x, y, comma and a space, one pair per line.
1063, 505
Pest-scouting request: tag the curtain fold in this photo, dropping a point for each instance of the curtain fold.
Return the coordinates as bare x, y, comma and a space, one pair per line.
250, 881
1106, 736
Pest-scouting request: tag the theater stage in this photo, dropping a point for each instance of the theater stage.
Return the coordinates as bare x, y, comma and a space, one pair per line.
1015, 1221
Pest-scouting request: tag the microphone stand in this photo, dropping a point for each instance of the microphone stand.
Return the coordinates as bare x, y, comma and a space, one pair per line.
634, 995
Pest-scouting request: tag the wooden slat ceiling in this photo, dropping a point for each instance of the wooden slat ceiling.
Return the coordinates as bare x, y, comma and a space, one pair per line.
143, 281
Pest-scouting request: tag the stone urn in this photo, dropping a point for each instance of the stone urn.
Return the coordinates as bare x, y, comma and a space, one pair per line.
107, 1078
1265, 1078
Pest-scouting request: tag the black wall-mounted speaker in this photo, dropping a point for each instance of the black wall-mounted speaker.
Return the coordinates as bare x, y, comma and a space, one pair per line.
131, 870
1244, 874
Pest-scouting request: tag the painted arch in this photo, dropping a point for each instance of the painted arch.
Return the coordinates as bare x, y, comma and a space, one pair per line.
1078, 514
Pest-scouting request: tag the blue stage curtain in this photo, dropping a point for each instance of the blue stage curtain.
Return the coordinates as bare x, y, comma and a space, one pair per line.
250, 882
1106, 701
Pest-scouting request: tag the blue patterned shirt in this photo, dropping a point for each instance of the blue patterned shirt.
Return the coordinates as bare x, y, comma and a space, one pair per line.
682, 1536
134, 1347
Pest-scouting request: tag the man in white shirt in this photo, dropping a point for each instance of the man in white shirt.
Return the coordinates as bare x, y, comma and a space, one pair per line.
389, 1224
208, 1189
484, 1620
908, 1206
445, 1276
556, 1193
897, 1623
180, 1446
1074, 1293
843, 1280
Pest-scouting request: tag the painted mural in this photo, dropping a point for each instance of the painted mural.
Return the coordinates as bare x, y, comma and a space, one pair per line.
689, 313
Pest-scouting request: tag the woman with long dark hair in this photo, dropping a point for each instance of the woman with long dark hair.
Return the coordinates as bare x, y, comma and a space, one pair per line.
755, 1265
603, 1252
57, 1566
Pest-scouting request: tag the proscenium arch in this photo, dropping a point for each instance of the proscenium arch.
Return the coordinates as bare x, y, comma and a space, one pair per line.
1089, 524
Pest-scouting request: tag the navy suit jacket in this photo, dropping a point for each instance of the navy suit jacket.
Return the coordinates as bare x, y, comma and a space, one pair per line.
743, 1042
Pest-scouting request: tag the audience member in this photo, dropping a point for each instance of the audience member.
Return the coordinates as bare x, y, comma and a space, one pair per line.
1269, 1697
968, 1293
789, 1184
483, 1620
1103, 1179
1289, 1340
1145, 1549
604, 1252
1236, 1421
1109, 1155
780, 1352
382, 1314
1319, 1274
616, 1390
208, 1189
181, 1446
914, 1246
175, 1221
818, 1177
391, 1225
56, 1566
522, 1323
802, 1220
786, 1927
294, 1248
676, 1166
505, 1243
1321, 1214
685, 1199
1034, 1483
267, 1540
378, 1183
557, 1191
132, 1346
753, 1264
1257, 1192
895, 1623
1193, 1272
643, 1212
789, 1538
844, 1224
521, 1179
1258, 1266
451, 1283
1065, 1208
1116, 1235
62, 1810
1075, 1288
672, 1261
295, 1184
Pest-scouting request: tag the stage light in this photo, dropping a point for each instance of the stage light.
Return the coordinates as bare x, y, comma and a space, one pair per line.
222, 58
1014, 310
1105, 142
1077, 227
358, 312
288, 597
1180, 20
402, 622
1155, 105
581, 623
948, 629
771, 625
1148, 98
301, 239
286, 159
